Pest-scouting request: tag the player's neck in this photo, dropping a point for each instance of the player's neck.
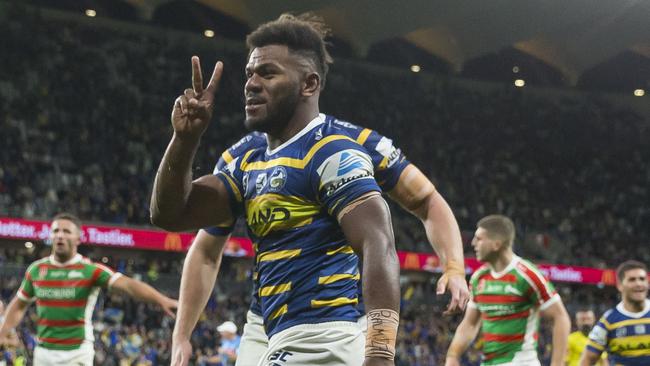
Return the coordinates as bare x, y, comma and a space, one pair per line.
501, 261
63, 259
298, 121
634, 306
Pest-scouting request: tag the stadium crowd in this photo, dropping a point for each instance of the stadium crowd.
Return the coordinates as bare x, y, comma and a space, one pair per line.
85, 116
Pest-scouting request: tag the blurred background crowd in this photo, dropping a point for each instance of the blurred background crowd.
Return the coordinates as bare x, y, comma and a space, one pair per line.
84, 114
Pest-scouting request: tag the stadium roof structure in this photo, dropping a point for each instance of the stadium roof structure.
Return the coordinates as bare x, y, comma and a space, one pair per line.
572, 36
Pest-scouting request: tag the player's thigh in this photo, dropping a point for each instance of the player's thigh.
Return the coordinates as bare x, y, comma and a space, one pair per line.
326, 344
254, 342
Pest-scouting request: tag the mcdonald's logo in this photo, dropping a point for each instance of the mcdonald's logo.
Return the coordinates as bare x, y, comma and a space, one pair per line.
173, 242
412, 261
608, 277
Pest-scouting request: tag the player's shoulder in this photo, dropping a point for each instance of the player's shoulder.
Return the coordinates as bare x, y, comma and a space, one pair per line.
480, 272
253, 140
530, 269
37, 263
611, 315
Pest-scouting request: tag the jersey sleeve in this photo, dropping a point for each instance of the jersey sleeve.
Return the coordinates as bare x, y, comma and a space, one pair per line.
388, 161
229, 172
103, 276
542, 291
26, 290
342, 172
222, 165
473, 286
598, 336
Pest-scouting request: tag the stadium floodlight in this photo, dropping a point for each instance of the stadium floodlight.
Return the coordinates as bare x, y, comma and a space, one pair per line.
208, 33
91, 13
639, 92
515, 69
416, 68
29, 245
519, 83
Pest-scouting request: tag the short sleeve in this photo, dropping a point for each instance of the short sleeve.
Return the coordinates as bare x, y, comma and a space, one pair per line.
343, 173
26, 289
598, 337
543, 292
103, 276
230, 174
388, 161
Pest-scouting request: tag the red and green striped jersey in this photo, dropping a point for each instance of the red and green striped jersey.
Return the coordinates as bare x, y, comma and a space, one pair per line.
65, 296
509, 303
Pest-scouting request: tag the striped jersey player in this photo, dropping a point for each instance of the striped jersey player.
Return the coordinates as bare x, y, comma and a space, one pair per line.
508, 296
305, 273
388, 163
64, 287
509, 302
624, 331
65, 296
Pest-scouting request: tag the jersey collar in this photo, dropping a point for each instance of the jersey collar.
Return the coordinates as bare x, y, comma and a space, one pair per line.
72, 260
314, 122
621, 309
509, 267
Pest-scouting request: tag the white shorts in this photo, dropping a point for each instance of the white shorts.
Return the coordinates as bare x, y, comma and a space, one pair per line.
254, 343
327, 344
82, 356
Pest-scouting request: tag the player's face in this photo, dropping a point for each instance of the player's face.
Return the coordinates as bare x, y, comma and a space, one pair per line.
585, 320
485, 247
65, 238
634, 286
272, 89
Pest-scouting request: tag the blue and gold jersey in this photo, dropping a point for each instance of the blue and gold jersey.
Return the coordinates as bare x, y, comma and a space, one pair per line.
388, 162
290, 197
624, 335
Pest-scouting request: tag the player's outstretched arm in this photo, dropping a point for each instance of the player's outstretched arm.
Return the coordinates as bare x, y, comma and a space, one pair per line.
177, 203
561, 329
13, 316
199, 275
368, 229
465, 334
415, 192
143, 292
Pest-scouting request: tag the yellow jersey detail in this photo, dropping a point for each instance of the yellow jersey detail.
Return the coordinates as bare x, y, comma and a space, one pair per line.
337, 277
341, 250
272, 212
335, 302
278, 255
227, 157
290, 162
274, 290
363, 136
280, 311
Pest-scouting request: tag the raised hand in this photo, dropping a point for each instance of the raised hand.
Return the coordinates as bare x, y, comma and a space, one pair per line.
193, 110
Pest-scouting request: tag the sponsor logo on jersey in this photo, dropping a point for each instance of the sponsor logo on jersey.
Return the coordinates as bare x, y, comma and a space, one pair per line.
278, 179
55, 292
269, 215
56, 274
511, 289
621, 332
245, 182
42, 272
342, 168
260, 182
319, 134
75, 274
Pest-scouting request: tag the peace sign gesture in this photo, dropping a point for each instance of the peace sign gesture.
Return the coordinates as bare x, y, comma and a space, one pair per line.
193, 110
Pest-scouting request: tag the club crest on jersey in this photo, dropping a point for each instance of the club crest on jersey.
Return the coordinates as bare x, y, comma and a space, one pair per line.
260, 182
278, 179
